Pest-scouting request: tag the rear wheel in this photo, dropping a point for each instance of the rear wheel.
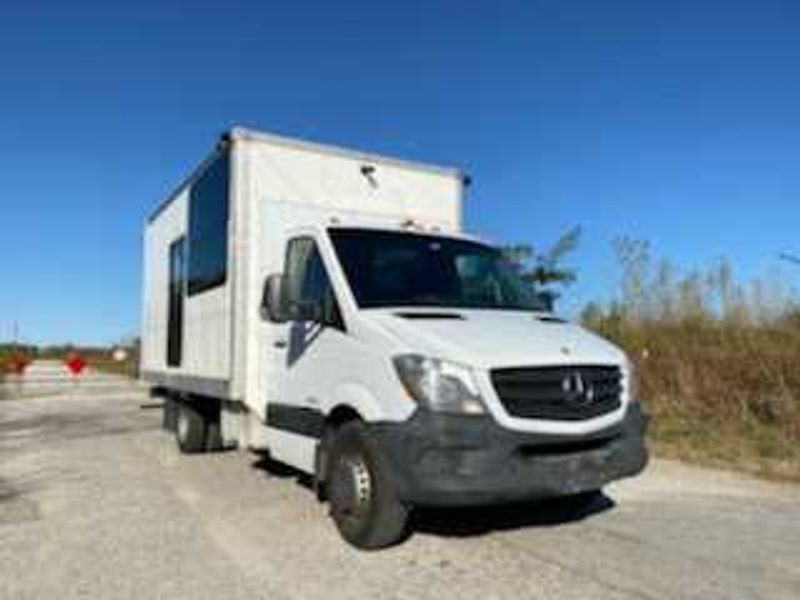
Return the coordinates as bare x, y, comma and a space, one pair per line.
213, 436
191, 429
169, 418
363, 500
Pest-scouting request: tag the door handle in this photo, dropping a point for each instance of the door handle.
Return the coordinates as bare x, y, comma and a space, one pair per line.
279, 343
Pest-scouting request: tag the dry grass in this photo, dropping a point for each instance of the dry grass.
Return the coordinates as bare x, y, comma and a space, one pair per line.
720, 393
127, 368
97, 358
10, 354
718, 362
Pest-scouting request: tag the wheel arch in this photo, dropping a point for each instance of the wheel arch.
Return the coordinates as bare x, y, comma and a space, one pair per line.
341, 414
355, 398
350, 401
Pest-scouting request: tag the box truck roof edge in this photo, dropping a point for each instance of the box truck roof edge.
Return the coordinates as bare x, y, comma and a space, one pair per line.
244, 133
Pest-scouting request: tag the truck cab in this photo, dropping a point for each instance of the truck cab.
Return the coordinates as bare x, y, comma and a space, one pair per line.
413, 368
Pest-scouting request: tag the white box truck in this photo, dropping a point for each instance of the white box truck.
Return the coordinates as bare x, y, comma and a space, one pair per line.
323, 304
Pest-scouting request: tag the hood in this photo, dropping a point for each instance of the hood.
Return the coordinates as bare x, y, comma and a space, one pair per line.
493, 338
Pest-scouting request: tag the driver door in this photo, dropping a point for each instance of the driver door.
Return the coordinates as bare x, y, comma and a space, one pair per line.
304, 354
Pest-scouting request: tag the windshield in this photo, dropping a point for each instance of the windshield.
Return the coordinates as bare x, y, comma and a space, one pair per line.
387, 268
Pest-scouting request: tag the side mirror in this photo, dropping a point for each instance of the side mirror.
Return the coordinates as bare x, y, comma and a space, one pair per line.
272, 299
305, 310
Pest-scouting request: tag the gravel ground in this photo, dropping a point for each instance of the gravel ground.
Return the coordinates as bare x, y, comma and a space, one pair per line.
96, 502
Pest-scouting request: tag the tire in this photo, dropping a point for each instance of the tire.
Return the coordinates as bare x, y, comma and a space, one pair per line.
169, 418
363, 499
191, 429
586, 498
213, 436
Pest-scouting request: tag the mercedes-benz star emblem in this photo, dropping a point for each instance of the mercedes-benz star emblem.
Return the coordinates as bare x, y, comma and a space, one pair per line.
576, 390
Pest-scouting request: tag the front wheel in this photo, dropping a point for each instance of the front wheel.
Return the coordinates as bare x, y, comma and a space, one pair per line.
363, 499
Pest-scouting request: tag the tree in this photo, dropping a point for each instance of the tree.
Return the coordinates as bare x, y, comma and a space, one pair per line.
544, 270
593, 315
633, 256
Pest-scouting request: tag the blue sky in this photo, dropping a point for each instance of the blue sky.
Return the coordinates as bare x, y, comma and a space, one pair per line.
678, 122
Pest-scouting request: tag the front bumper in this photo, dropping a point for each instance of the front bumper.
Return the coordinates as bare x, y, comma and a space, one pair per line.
458, 460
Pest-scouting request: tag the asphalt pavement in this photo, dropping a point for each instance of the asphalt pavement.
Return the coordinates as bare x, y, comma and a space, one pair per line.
96, 502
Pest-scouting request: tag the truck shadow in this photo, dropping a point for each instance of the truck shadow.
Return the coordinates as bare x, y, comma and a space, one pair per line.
474, 521
272, 468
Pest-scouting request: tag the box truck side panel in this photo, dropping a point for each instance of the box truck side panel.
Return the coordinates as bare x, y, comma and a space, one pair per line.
348, 186
169, 227
187, 337
245, 252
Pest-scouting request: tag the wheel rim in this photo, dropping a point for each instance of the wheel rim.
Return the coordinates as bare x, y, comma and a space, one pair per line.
351, 489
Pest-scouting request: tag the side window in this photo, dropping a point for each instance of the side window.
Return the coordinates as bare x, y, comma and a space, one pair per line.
175, 291
306, 280
208, 227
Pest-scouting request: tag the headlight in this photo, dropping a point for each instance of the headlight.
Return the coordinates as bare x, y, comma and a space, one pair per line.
632, 381
439, 385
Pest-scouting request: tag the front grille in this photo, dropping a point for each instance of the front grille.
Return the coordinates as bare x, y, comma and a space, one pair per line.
563, 393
